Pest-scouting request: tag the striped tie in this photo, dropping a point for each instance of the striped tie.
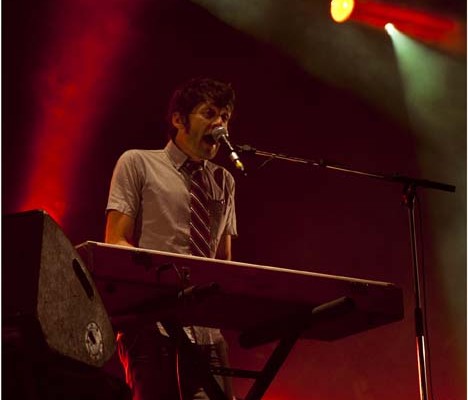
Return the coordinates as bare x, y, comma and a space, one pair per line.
200, 235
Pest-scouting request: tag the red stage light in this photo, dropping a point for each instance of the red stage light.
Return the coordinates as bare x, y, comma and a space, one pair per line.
429, 27
70, 92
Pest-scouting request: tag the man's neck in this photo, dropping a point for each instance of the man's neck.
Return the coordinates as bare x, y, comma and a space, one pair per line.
191, 157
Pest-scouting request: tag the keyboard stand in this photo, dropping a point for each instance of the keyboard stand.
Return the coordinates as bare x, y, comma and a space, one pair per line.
286, 331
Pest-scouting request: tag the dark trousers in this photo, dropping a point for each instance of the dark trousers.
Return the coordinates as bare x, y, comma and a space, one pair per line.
156, 370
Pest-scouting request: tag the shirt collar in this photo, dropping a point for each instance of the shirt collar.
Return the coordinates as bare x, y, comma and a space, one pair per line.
177, 156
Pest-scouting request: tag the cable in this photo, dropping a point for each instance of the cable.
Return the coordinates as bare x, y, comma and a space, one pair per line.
179, 384
183, 276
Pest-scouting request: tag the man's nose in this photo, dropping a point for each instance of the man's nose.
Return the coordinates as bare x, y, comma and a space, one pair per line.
218, 121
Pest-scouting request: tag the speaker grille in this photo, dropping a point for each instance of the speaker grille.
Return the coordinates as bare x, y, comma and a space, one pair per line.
45, 279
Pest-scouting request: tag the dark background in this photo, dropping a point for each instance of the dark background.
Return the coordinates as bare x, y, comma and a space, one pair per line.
306, 88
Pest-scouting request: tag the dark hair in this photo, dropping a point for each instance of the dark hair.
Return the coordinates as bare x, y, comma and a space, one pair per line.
196, 91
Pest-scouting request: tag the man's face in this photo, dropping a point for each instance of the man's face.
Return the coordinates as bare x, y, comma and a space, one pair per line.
194, 138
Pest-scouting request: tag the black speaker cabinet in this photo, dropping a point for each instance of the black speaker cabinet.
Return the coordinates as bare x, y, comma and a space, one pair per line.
45, 281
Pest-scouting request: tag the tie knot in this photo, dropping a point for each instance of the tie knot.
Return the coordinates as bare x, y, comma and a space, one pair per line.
193, 166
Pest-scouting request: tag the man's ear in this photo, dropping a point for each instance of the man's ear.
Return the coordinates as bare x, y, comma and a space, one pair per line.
178, 121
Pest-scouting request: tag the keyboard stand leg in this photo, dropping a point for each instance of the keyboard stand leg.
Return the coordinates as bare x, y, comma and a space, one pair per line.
288, 338
272, 366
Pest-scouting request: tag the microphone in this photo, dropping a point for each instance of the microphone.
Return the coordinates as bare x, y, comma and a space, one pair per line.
221, 134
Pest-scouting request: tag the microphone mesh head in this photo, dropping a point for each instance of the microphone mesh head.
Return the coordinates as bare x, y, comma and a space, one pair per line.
218, 132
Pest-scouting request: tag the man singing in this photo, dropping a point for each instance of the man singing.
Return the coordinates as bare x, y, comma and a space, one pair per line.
175, 199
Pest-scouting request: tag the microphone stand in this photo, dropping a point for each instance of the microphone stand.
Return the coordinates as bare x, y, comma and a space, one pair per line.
409, 194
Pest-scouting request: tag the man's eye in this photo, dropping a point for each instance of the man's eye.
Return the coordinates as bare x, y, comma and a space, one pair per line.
225, 117
209, 113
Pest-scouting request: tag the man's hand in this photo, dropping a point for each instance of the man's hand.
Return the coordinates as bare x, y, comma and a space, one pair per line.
224, 248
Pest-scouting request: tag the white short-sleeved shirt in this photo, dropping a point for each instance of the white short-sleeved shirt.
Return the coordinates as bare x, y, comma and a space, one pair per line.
151, 187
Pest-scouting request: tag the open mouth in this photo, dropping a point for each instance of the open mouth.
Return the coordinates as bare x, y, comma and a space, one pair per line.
209, 139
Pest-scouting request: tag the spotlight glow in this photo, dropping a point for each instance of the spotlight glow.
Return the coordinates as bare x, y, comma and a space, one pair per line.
390, 28
341, 9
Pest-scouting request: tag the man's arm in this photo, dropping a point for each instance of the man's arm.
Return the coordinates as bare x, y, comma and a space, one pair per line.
119, 228
224, 248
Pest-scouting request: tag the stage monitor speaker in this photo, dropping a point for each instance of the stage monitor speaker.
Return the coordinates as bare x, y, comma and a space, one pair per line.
46, 281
